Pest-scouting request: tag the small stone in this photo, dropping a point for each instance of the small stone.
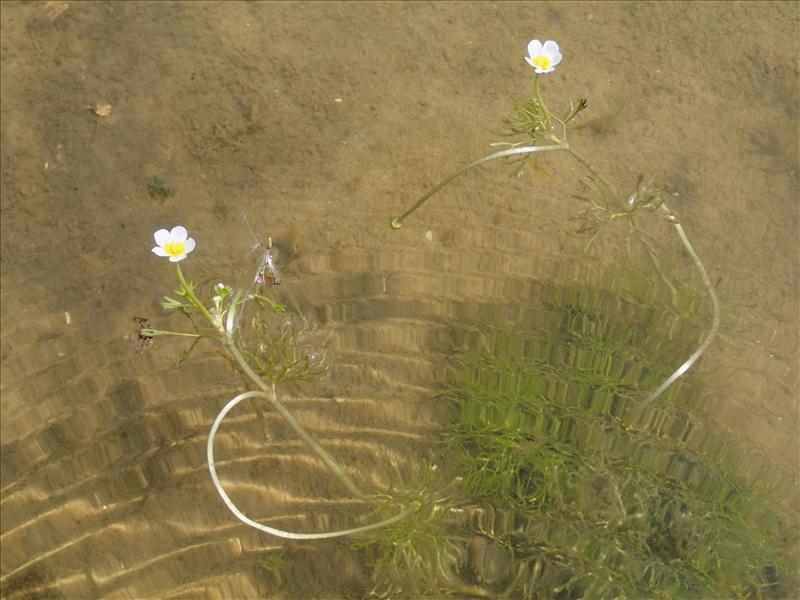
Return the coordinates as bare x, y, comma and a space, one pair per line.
102, 109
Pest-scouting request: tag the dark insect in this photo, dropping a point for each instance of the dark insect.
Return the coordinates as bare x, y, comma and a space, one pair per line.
141, 340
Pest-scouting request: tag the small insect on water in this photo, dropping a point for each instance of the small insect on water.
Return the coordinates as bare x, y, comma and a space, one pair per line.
267, 273
140, 339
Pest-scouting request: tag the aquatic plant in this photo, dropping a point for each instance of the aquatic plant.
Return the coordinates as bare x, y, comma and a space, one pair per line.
536, 122
553, 490
265, 359
534, 494
589, 505
572, 495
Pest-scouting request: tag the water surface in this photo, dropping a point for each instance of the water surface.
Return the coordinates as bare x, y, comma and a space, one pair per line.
321, 122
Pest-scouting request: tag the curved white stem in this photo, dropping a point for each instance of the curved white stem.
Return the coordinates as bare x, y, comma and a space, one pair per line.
266, 529
687, 364
398, 222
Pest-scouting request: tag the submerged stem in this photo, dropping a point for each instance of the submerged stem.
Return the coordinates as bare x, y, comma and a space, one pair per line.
687, 364
149, 333
610, 189
398, 222
269, 393
271, 530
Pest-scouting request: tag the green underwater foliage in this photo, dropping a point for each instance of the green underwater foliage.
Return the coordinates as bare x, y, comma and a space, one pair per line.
553, 488
605, 506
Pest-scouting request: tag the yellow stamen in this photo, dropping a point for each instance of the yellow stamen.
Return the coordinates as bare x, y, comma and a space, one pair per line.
541, 61
174, 248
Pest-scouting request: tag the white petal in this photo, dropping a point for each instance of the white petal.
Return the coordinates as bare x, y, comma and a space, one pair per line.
550, 47
534, 47
161, 236
189, 245
555, 59
160, 251
177, 258
179, 233
528, 60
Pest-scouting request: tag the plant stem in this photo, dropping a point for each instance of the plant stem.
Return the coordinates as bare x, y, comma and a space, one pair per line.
610, 189
397, 223
413, 507
269, 394
538, 95
687, 364
156, 332
187, 290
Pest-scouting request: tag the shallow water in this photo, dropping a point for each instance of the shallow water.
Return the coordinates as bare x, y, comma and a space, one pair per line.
321, 122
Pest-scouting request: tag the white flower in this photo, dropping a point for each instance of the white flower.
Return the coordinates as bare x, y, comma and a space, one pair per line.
173, 243
543, 57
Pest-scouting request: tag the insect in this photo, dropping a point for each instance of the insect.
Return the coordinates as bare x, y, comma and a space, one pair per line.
267, 273
141, 340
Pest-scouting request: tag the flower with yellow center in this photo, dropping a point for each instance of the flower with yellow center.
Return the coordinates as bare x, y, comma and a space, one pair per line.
173, 244
543, 57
